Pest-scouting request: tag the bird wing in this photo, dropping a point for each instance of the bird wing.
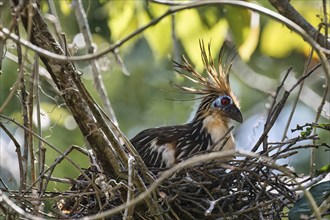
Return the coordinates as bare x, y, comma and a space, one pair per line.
158, 146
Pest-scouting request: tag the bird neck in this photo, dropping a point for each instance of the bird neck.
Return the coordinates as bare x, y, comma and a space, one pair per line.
218, 128
202, 109
214, 125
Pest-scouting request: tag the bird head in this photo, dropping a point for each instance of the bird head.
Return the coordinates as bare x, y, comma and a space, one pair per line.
214, 88
225, 105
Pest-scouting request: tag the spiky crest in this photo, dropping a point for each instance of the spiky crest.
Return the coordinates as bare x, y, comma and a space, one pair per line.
216, 80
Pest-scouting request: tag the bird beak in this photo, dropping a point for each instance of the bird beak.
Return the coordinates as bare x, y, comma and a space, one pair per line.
234, 113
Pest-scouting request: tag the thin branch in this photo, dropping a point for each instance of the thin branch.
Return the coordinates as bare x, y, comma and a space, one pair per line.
273, 114
176, 8
297, 98
109, 152
44, 141
23, 99
55, 21
286, 9
207, 157
97, 77
128, 213
16, 208
17, 146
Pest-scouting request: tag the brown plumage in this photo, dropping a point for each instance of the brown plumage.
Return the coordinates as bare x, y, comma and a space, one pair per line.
164, 146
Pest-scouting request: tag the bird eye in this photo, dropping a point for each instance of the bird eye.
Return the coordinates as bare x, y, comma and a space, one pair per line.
225, 101
221, 102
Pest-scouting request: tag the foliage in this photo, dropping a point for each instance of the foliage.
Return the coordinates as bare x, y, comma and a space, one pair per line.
134, 73
320, 192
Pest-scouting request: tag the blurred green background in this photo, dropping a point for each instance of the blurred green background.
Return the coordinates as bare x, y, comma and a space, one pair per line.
144, 98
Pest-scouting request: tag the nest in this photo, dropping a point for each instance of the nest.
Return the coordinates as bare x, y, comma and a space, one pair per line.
247, 186
243, 188
242, 191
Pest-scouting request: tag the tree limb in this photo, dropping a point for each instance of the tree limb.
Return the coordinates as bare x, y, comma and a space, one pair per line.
89, 117
74, 93
286, 9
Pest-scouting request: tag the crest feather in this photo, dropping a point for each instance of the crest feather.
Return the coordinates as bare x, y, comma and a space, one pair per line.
216, 80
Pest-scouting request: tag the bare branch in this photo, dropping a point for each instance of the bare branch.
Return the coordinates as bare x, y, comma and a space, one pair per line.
97, 77
286, 9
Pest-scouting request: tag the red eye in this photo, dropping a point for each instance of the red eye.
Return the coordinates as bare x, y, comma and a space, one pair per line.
222, 102
225, 101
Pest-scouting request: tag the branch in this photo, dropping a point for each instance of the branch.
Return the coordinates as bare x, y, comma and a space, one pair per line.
177, 7
97, 77
285, 8
4, 199
87, 114
78, 100
202, 158
265, 85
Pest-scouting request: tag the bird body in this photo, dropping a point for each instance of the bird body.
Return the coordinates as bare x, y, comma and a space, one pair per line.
208, 131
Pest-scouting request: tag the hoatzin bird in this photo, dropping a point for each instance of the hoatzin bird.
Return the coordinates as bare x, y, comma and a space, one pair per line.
164, 146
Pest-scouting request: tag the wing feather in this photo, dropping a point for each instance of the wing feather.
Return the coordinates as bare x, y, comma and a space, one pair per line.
157, 146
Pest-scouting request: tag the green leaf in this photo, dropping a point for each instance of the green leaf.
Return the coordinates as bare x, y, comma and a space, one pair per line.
320, 192
65, 7
122, 19
251, 41
190, 29
279, 41
307, 132
159, 36
239, 23
324, 169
